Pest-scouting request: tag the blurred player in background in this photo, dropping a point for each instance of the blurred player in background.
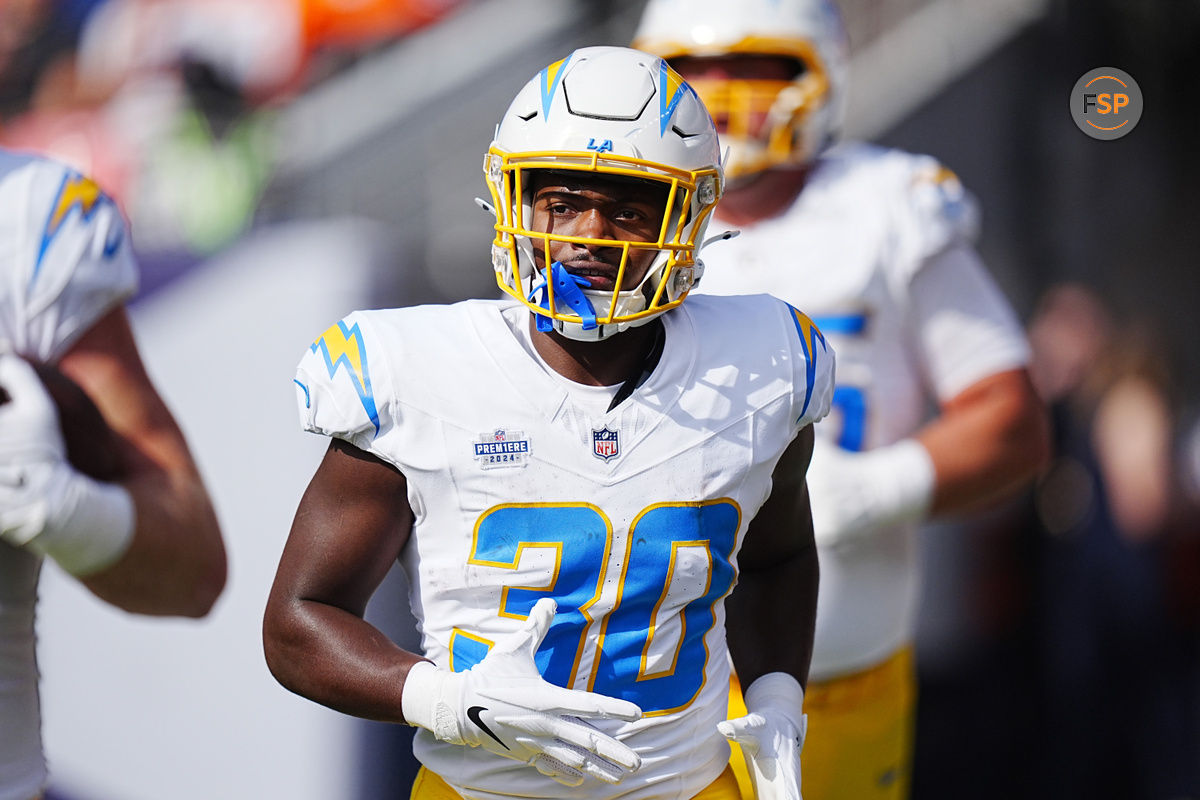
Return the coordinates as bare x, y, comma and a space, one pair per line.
115, 499
574, 478
878, 243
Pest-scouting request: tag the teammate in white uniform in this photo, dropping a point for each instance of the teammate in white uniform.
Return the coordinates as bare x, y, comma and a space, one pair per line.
877, 245
574, 492
148, 541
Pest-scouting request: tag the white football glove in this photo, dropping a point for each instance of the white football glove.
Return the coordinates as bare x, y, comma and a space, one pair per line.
46, 506
855, 494
771, 735
503, 705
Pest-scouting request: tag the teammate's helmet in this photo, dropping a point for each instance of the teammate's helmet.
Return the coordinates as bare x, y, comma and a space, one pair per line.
803, 115
619, 113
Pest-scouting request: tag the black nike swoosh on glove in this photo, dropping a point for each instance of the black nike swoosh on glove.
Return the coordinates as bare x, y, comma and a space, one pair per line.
473, 713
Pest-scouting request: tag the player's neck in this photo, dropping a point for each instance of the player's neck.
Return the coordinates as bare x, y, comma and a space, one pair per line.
604, 363
761, 197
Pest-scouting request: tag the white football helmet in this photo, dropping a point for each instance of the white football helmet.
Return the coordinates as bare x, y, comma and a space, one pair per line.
619, 113
803, 115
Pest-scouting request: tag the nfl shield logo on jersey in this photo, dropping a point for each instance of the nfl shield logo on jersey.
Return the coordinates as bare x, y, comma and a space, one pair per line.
605, 444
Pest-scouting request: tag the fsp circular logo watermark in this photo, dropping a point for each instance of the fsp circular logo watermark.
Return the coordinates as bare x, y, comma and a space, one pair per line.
1106, 103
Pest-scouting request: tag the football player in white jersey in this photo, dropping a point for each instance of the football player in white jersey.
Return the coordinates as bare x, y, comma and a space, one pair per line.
574, 478
876, 243
145, 538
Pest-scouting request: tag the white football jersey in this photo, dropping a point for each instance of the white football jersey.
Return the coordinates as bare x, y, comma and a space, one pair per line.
631, 519
860, 250
64, 262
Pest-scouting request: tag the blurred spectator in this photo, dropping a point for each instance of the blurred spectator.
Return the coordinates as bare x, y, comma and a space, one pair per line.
1088, 613
170, 103
1117, 386
1115, 668
162, 102
257, 45
37, 40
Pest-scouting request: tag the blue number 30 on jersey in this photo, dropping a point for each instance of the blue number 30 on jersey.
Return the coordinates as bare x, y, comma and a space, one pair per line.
649, 649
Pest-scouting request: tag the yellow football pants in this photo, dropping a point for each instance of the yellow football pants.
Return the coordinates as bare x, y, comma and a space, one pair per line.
428, 786
860, 734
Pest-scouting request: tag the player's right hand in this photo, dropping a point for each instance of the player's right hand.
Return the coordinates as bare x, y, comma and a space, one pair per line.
503, 705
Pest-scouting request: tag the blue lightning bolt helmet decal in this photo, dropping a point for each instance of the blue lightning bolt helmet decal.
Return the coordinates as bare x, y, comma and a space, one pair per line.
344, 347
671, 89
810, 334
551, 78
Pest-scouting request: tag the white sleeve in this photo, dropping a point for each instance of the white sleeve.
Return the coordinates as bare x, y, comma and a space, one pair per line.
932, 212
964, 327
814, 382
341, 386
73, 259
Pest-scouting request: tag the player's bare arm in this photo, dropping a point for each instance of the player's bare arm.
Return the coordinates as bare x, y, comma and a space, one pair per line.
990, 439
771, 621
771, 613
349, 529
175, 564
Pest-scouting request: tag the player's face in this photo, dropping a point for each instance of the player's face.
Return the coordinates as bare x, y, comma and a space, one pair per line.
708, 73
597, 207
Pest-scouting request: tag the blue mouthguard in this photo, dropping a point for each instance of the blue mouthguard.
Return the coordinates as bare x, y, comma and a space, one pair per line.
566, 290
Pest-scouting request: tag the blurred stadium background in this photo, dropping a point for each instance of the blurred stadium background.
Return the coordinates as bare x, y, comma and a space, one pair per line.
283, 162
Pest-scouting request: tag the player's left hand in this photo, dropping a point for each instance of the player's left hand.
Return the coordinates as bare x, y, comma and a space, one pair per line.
771, 735
854, 494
